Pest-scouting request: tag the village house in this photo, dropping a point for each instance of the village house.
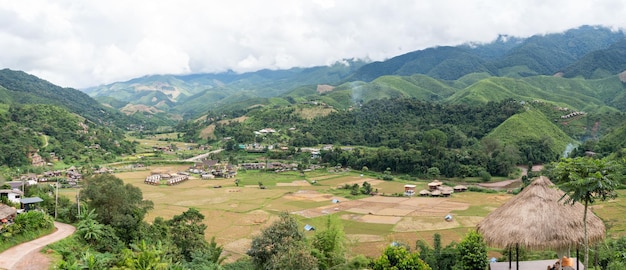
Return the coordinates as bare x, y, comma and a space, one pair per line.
12, 195
253, 166
30, 203
36, 160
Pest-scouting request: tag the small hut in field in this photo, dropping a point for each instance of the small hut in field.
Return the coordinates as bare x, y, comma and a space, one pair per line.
409, 190
434, 185
460, 188
538, 219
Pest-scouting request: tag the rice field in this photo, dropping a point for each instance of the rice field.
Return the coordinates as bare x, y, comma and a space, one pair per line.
235, 214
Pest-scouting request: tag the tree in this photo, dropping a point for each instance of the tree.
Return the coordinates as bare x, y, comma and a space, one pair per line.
187, 232
209, 258
275, 240
366, 188
398, 257
586, 180
121, 206
329, 244
472, 252
145, 257
438, 258
433, 172
88, 228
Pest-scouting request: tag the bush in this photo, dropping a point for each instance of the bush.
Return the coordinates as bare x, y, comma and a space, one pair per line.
485, 176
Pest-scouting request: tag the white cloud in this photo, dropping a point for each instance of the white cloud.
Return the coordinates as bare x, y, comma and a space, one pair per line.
85, 43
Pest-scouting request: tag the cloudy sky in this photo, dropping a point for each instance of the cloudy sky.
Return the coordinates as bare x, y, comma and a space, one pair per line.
75, 43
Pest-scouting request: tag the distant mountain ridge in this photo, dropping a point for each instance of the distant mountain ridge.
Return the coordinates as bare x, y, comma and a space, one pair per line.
590, 52
194, 94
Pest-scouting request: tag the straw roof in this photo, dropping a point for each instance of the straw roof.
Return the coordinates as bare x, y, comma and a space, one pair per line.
460, 187
6, 211
537, 219
435, 183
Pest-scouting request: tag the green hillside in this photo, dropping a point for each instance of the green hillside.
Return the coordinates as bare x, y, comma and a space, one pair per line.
531, 128
23, 88
577, 94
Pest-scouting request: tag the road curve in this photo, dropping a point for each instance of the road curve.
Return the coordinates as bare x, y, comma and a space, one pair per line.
202, 156
10, 257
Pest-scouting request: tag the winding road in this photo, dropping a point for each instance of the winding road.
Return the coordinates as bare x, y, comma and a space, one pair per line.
11, 258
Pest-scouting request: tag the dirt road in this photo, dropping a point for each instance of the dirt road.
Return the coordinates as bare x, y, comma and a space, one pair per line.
12, 258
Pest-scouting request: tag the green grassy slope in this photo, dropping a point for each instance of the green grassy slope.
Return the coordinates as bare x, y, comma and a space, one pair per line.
577, 94
530, 125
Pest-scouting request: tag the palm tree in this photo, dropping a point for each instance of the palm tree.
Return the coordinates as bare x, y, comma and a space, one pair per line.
88, 228
586, 180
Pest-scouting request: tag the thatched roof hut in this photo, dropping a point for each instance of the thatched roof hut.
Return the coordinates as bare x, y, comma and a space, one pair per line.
434, 184
538, 219
424, 192
460, 188
7, 213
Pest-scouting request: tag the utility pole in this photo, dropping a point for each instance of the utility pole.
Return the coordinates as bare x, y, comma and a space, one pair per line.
56, 199
78, 200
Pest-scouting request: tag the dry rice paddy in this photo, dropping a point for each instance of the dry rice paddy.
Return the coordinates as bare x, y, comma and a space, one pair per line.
234, 215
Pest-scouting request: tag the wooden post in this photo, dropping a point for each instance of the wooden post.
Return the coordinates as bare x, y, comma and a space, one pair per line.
517, 256
510, 256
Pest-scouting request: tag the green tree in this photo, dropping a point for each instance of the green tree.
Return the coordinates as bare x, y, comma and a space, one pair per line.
586, 180
437, 257
88, 228
366, 188
433, 172
473, 252
329, 244
121, 206
187, 232
296, 256
144, 257
274, 240
399, 258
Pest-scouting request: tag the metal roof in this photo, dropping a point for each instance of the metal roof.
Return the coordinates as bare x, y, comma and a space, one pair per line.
31, 200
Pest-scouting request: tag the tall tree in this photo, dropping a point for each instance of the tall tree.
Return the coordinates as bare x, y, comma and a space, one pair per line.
187, 232
121, 206
586, 180
472, 252
277, 240
329, 244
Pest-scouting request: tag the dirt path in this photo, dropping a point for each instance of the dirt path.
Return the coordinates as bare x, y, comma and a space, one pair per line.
507, 183
200, 157
26, 255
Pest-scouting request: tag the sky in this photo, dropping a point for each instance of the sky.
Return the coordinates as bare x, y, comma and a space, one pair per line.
83, 43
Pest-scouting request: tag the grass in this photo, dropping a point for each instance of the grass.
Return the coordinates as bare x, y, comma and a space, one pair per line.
24, 237
612, 213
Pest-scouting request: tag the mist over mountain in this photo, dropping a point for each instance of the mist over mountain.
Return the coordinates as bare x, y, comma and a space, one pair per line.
587, 52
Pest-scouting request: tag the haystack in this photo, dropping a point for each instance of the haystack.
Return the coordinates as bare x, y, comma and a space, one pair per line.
538, 219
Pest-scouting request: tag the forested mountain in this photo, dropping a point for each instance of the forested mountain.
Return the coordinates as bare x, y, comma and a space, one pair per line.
18, 87
537, 55
46, 129
433, 74
40, 117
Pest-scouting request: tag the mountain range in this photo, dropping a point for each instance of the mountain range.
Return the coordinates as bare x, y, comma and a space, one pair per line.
572, 86
584, 64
